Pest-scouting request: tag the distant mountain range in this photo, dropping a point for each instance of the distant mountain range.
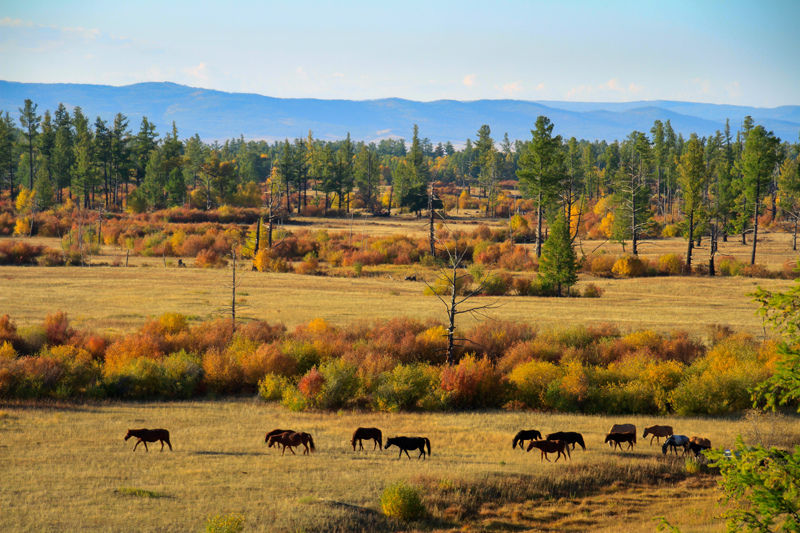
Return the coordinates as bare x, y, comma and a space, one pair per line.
217, 115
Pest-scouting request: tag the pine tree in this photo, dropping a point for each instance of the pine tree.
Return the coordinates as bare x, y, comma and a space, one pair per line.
692, 179
30, 124
558, 266
757, 165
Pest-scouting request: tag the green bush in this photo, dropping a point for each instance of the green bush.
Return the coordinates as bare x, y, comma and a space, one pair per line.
402, 501
405, 387
340, 385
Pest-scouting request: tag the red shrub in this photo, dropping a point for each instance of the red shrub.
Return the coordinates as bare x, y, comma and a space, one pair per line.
57, 329
311, 384
472, 383
261, 331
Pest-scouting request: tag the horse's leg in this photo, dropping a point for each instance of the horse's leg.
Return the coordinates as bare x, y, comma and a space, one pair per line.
145, 445
405, 450
400, 455
162, 445
137, 443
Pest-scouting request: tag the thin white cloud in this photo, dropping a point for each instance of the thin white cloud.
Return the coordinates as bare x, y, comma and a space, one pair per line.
198, 72
8, 22
512, 88
337, 75
469, 80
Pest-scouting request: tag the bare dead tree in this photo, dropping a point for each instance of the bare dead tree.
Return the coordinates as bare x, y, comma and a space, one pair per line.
456, 302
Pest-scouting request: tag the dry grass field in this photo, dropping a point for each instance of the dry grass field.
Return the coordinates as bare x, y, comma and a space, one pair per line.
114, 299
72, 471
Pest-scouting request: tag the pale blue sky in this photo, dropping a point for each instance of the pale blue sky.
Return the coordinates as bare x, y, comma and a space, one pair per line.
733, 52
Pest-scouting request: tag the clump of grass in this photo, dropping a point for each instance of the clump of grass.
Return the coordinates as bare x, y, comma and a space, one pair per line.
225, 523
402, 501
140, 493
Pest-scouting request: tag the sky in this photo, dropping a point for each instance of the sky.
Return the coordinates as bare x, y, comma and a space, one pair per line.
714, 51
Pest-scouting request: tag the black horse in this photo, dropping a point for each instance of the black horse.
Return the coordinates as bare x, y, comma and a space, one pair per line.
568, 437
149, 435
616, 439
522, 436
410, 443
367, 434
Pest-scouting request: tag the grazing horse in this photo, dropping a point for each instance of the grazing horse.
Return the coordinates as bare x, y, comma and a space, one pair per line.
276, 432
616, 439
550, 446
410, 443
367, 433
656, 432
522, 436
698, 444
149, 435
674, 442
290, 439
568, 437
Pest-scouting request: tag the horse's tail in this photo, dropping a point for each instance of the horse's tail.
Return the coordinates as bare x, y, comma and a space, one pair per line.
428, 443
311, 442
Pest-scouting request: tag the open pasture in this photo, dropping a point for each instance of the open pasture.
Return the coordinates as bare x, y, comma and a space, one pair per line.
116, 299
67, 468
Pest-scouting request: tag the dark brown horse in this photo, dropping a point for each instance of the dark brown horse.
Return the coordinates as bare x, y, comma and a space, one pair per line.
149, 435
569, 437
367, 434
522, 436
410, 443
276, 432
616, 439
550, 446
290, 439
657, 432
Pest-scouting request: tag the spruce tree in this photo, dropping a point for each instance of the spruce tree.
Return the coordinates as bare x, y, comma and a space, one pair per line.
558, 266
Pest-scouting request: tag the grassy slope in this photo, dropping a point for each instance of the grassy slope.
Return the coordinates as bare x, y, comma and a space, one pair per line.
72, 470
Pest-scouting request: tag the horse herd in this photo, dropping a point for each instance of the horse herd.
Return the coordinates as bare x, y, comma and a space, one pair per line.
558, 442
618, 435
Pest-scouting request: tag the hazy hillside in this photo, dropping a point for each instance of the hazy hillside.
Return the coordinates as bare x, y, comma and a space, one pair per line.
221, 115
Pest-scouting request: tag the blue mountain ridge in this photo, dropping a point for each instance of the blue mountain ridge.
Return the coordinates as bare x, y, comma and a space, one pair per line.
218, 115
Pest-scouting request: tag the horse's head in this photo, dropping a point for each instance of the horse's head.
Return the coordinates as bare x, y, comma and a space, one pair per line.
646, 431
389, 442
128, 435
608, 437
271, 440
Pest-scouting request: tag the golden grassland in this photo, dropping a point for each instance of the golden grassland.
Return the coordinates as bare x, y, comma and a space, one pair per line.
115, 299
66, 468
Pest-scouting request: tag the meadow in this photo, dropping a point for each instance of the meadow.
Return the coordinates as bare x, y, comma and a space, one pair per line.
118, 299
71, 470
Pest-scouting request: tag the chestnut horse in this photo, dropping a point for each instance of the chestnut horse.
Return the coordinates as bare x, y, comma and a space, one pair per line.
367, 434
290, 439
697, 445
149, 435
410, 443
616, 439
657, 432
550, 446
522, 436
569, 437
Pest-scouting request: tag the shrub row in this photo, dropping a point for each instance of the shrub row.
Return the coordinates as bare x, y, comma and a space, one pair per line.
388, 366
